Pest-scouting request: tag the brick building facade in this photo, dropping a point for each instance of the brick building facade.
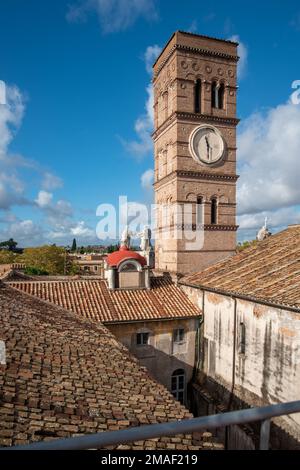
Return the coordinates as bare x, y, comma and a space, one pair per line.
195, 88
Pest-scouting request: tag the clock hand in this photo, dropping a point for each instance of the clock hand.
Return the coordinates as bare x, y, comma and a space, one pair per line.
208, 147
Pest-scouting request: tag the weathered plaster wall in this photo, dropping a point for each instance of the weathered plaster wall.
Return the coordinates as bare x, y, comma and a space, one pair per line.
161, 356
268, 371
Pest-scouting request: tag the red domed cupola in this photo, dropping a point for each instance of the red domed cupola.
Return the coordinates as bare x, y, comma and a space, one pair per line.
117, 257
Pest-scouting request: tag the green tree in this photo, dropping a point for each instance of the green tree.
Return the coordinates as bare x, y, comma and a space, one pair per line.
52, 259
10, 244
245, 244
74, 245
112, 248
35, 271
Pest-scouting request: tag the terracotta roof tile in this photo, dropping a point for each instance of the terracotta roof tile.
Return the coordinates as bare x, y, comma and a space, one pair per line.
269, 271
93, 300
65, 375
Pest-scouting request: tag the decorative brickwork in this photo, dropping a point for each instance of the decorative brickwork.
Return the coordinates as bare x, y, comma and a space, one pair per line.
186, 61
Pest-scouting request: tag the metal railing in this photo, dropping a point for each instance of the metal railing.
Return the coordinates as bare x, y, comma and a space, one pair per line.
188, 426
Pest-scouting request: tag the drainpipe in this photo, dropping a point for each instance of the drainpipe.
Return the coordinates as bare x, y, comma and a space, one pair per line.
197, 349
201, 322
233, 367
233, 354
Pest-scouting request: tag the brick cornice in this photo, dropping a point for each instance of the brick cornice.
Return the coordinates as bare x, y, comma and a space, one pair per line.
196, 50
207, 117
198, 175
212, 227
207, 227
179, 115
206, 176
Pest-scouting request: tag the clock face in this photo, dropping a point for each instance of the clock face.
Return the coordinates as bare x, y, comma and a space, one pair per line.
206, 145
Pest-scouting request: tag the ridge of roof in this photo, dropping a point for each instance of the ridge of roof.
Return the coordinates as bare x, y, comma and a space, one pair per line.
92, 299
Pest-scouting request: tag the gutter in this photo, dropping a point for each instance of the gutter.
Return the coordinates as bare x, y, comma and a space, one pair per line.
241, 296
146, 320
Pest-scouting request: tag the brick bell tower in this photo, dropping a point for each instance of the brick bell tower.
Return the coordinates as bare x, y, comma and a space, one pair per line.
195, 146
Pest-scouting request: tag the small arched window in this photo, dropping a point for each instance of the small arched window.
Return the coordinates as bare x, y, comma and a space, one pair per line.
199, 210
197, 96
178, 384
214, 95
165, 101
214, 208
221, 94
128, 267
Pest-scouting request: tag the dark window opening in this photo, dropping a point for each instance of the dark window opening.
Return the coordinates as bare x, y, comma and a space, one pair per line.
214, 95
129, 267
213, 211
198, 96
242, 338
178, 384
178, 335
142, 339
221, 93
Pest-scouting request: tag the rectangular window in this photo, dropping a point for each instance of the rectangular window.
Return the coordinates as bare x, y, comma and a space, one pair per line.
242, 338
178, 335
142, 339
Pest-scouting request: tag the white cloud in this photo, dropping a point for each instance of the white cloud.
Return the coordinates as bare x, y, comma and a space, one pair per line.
9, 198
147, 179
65, 232
44, 199
243, 55
143, 127
11, 115
150, 56
55, 217
268, 162
193, 27
275, 219
144, 124
11, 185
114, 15
81, 230
268, 158
25, 232
51, 181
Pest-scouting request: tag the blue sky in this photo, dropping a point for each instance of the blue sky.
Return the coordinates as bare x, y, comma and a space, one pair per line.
76, 80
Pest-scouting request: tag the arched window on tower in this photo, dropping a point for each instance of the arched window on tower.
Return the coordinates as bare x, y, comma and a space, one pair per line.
165, 104
214, 209
197, 96
221, 95
199, 211
214, 95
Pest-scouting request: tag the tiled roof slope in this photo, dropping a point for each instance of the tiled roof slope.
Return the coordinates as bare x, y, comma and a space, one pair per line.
269, 271
92, 299
66, 376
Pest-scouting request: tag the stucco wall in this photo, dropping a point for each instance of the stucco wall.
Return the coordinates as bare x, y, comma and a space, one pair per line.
161, 357
269, 369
